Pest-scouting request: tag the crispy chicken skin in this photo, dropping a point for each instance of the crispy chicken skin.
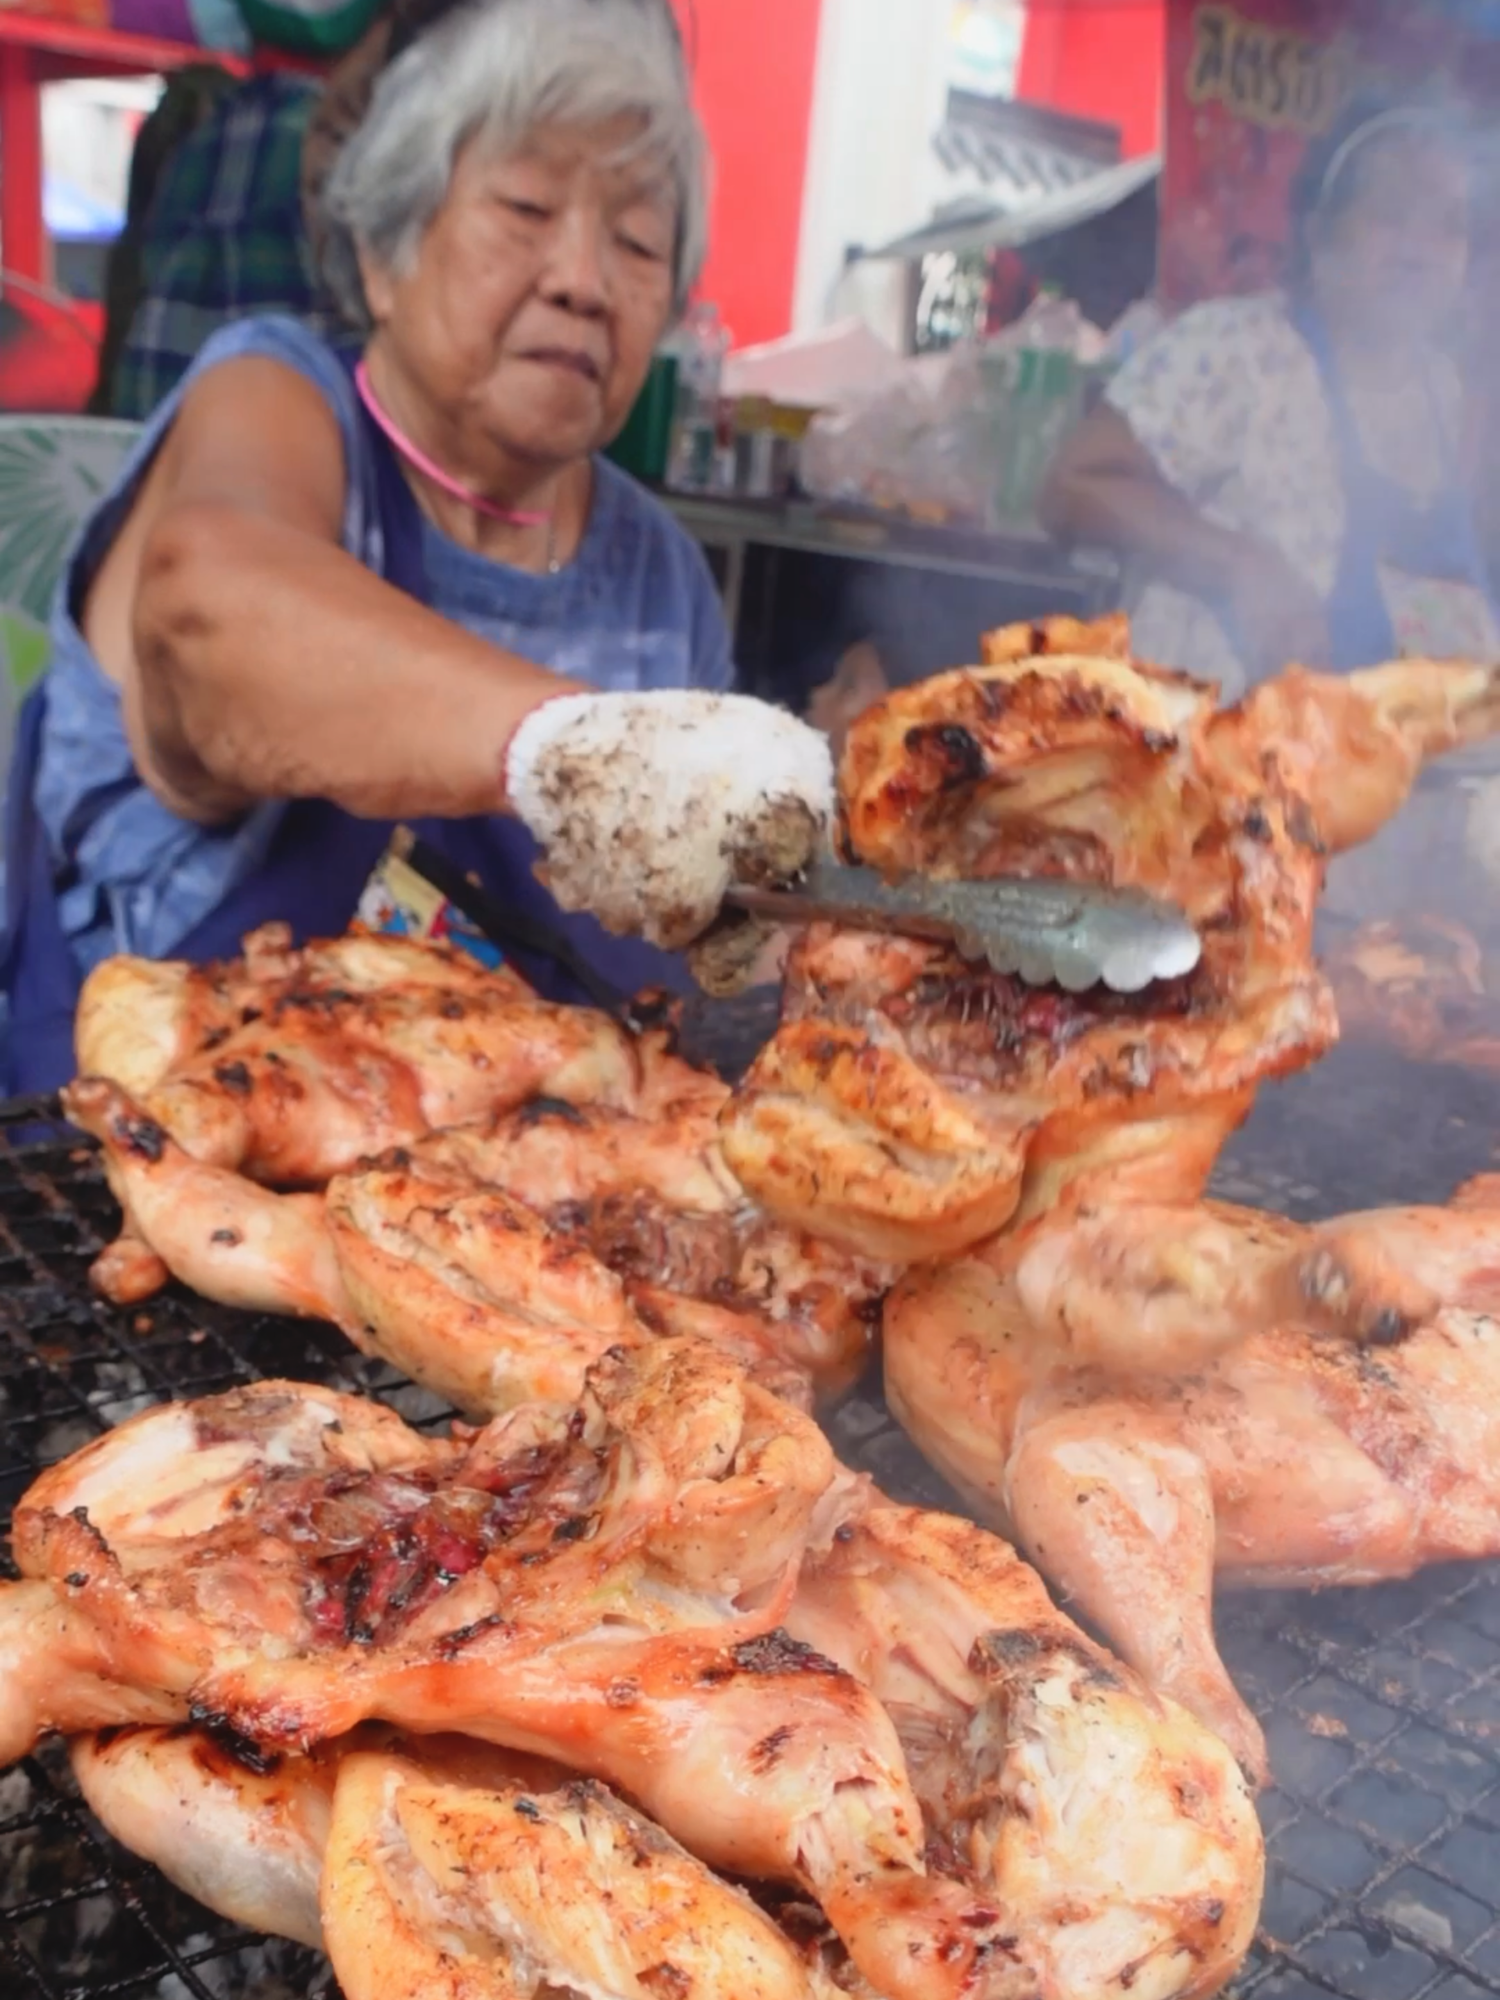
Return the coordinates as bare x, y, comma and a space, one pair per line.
608, 1588
912, 1104
1340, 1423
495, 1264
440, 1867
1005, 1710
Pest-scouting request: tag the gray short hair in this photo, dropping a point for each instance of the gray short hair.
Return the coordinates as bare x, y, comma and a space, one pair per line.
499, 69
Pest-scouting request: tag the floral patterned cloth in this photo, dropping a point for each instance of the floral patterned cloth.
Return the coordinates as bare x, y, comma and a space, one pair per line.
1230, 404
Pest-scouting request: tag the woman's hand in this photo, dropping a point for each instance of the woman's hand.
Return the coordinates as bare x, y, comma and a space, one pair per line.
1275, 617
1105, 488
648, 806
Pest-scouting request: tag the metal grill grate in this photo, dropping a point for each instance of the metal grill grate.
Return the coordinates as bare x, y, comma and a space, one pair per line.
1382, 1707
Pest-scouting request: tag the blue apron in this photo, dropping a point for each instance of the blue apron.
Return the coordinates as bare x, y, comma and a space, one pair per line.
318, 864
1385, 528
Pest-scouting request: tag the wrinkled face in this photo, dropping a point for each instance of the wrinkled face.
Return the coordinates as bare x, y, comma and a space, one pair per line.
529, 315
1397, 250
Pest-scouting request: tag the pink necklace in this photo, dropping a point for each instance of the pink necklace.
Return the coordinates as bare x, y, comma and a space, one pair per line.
430, 469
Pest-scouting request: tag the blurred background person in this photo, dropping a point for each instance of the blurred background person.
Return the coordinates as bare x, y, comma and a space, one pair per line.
224, 217
1283, 471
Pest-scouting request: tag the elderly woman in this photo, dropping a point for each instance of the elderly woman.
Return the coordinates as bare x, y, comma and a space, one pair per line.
334, 591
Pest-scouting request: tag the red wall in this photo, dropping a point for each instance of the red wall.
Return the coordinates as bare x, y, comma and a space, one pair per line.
755, 82
1096, 60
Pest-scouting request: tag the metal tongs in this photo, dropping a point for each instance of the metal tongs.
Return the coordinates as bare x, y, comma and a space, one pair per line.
1047, 933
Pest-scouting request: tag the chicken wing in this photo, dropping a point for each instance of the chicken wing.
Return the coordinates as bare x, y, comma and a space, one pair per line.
229, 1238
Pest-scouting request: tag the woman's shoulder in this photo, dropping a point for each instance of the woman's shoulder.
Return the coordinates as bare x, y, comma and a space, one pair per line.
277, 337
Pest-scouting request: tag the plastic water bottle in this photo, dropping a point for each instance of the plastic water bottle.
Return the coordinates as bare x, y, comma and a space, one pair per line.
1042, 391
701, 347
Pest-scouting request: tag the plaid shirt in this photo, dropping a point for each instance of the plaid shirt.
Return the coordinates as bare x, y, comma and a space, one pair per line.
224, 240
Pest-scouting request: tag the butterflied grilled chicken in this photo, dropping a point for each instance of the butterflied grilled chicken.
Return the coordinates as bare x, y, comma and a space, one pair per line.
289, 1065
605, 1590
912, 1103
292, 1065
495, 1264
293, 1563
1128, 1870
288, 1546
1351, 1431
138, 1019
444, 1866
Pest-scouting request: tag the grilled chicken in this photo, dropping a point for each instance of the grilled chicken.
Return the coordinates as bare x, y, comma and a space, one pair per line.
606, 1588
652, 1199
602, 1589
243, 1833
913, 1104
1350, 1433
441, 1867
291, 1065
1420, 987
289, 1539
515, 1892
139, 1018
630, 1228
229, 1238
1113, 1832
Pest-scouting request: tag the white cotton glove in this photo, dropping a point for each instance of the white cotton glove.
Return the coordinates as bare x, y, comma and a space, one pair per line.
647, 806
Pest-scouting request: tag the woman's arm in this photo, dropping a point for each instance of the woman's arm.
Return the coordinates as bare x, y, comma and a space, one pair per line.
1104, 488
257, 659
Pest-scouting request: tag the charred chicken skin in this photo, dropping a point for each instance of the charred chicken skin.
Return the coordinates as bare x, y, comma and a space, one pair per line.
610, 1591
443, 1866
913, 1104
495, 1264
